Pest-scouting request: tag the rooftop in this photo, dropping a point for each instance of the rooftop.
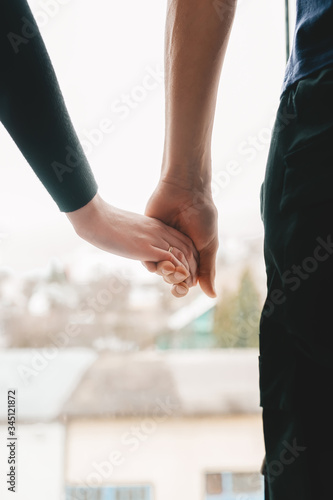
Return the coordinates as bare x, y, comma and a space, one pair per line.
82, 383
195, 382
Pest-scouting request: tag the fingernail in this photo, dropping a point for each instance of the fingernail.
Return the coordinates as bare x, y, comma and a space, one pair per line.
180, 276
165, 271
181, 290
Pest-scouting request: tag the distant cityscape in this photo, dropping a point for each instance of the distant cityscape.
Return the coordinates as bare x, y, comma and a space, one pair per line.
109, 309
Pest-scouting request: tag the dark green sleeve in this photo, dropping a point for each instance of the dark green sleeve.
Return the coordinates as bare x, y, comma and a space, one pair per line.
33, 110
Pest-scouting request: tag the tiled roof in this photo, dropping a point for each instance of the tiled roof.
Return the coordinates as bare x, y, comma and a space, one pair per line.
195, 383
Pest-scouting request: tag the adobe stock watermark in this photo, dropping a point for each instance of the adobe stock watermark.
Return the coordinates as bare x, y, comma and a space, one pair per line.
249, 149
121, 109
288, 455
130, 442
41, 359
255, 485
245, 331
225, 8
29, 29
292, 278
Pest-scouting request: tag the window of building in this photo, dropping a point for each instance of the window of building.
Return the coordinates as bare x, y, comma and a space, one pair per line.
234, 486
109, 493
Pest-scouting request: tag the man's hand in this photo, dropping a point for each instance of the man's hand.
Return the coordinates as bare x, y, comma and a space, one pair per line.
191, 211
196, 38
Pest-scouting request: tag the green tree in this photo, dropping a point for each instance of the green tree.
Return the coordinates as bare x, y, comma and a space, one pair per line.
236, 321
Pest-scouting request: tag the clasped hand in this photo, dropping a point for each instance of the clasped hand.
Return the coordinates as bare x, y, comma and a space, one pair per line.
176, 238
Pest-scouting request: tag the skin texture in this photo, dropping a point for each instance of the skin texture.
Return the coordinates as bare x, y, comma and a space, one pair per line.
193, 213
36, 117
137, 237
181, 212
196, 38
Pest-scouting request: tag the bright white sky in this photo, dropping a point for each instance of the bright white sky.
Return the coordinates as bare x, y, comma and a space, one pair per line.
104, 49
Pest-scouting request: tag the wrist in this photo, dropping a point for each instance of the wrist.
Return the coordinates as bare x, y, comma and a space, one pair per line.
85, 219
188, 175
188, 167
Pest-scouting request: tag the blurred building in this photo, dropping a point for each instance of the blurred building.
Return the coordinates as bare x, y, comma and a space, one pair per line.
150, 425
118, 309
43, 381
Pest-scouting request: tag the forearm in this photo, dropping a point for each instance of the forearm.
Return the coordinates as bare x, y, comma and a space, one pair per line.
33, 110
196, 39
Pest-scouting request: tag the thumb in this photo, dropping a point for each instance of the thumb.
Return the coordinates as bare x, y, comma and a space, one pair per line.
207, 271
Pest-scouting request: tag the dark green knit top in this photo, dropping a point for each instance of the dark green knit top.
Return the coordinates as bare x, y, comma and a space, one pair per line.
33, 110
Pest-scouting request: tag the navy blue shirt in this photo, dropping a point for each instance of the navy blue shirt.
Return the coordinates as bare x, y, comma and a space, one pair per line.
313, 40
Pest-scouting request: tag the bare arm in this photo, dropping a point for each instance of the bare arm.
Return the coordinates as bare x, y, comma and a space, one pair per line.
196, 38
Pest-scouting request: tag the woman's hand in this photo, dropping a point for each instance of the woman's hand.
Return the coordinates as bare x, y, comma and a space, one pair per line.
163, 249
